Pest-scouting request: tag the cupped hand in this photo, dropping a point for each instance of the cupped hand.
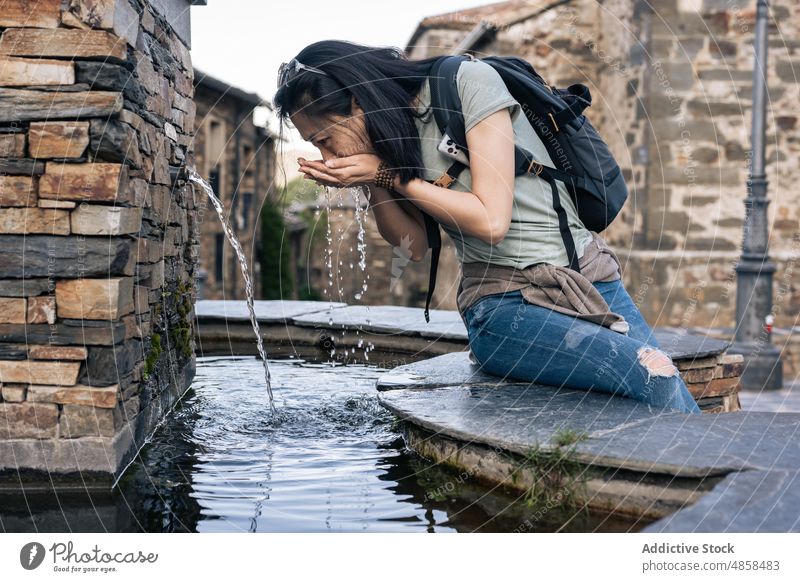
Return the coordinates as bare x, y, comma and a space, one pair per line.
350, 171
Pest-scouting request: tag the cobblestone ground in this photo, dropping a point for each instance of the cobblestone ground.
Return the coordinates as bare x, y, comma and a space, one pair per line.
785, 400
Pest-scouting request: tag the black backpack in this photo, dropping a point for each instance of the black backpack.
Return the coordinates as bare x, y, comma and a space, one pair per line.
584, 162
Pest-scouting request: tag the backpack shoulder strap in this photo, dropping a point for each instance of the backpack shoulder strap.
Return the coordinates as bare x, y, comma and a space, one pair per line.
446, 105
445, 100
435, 244
433, 234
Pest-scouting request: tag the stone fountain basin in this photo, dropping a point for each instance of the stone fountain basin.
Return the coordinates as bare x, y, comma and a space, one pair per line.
692, 472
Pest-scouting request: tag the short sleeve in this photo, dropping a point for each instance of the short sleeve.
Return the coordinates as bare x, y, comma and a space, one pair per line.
482, 93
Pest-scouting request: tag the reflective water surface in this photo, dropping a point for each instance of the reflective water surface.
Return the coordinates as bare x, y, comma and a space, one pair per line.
330, 459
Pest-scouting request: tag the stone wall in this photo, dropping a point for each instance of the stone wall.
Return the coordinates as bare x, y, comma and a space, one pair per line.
672, 96
97, 249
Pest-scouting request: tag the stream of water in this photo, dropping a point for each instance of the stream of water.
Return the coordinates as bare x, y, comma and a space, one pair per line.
360, 215
196, 178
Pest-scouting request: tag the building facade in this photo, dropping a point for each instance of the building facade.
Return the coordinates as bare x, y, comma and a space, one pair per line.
237, 157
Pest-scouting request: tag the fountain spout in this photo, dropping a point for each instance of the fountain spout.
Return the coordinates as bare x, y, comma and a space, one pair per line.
179, 175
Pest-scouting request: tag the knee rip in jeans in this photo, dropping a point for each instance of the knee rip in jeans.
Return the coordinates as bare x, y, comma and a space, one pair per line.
656, 362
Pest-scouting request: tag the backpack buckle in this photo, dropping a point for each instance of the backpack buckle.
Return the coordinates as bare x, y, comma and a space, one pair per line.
444, 180
538, 167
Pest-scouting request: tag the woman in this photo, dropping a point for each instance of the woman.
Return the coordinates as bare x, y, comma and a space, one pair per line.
367, 110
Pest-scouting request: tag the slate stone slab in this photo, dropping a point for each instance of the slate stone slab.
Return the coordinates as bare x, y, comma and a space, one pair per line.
698, 445
106, 365
783, 400
64, 257
682, 346
392, 319
447, 370
515, 417
275, 311
25, 287
64, 334
744, 502
623, 432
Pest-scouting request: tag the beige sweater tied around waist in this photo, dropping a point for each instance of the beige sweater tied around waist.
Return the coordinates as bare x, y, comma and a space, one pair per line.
559, 288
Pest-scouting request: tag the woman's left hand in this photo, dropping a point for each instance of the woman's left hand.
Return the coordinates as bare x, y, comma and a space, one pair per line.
355, 170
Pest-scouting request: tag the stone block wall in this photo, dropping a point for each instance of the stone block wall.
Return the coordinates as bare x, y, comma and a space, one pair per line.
98, 250
698, 114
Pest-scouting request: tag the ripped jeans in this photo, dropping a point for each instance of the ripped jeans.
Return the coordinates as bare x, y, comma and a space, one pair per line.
515, 339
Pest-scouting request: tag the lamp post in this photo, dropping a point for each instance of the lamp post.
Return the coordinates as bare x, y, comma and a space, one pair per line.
754, 272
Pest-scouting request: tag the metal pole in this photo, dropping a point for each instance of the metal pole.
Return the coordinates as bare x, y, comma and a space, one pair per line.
754, 272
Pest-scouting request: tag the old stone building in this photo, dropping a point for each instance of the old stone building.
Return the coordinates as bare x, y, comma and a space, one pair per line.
237, 157
672, 96
98, 240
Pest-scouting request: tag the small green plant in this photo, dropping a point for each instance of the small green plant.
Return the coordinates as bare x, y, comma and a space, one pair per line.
568, 436
557, 475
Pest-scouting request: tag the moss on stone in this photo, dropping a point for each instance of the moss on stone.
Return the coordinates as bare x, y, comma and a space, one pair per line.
152, 355
177, 301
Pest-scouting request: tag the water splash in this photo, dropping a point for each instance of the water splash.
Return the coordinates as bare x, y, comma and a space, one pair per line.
198, 179
361, 218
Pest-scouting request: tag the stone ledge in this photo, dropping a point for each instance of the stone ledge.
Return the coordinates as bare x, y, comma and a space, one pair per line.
613, 490
474, 428
406, 321
275, 311
715, 395
744, 502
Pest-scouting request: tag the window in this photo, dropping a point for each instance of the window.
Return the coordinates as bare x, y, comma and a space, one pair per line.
247, 202
234, 216
215, 155
247, 162
213, 180
219, 244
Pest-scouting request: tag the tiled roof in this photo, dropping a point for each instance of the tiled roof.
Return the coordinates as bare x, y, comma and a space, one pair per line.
497, 14
202, 79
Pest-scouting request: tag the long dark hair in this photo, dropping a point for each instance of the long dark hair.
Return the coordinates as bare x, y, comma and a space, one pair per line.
383, 81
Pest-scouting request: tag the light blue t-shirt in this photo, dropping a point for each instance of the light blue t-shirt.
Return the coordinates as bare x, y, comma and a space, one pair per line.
533, 235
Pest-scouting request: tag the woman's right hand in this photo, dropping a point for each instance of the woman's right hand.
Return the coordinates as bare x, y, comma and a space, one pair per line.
349, 171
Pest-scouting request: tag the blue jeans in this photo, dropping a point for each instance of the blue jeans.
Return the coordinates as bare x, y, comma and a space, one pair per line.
513, 338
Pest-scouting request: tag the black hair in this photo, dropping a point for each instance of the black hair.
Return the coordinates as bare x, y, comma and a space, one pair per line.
383, 81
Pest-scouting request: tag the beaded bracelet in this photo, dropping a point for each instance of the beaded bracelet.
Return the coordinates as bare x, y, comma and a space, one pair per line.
384, 177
